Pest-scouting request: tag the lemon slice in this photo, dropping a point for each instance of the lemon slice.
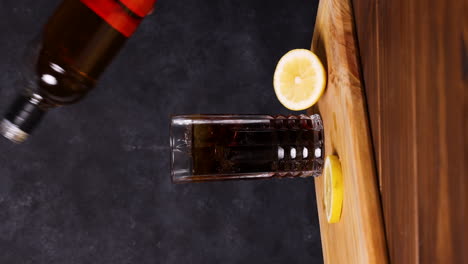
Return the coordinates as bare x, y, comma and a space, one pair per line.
299, 79
333, 192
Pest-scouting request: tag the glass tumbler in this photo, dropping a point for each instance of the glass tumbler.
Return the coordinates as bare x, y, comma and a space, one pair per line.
222, 147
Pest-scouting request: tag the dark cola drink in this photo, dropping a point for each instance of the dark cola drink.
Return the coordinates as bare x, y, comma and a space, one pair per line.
219, 147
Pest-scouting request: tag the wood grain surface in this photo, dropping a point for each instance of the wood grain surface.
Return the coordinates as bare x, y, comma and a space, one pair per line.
359, 236
414, 61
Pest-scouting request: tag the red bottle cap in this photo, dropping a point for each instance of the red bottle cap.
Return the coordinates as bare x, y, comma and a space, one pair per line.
139, 7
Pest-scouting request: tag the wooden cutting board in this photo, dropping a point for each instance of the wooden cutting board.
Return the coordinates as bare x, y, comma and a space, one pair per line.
359, 236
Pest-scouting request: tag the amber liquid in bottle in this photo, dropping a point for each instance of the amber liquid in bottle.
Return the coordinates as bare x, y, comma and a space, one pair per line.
82, 44
77, 46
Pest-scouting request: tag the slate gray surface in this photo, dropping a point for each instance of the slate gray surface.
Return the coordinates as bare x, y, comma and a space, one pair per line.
92, 184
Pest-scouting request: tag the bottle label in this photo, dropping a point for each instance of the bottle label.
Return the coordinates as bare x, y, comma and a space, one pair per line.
139, 7
115, 14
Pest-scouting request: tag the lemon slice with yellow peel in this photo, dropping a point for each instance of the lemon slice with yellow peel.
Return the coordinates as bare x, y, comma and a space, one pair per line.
333, 192
299, 79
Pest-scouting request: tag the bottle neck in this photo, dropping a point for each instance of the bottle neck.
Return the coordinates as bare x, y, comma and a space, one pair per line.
22, 117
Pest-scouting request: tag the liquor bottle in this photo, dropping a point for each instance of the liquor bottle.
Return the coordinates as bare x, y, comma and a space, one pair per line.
78, 42
223, 147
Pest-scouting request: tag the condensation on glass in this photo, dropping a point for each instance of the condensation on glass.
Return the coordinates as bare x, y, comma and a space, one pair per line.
221, 147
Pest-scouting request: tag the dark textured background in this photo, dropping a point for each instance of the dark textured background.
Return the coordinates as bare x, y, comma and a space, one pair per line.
92, 184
